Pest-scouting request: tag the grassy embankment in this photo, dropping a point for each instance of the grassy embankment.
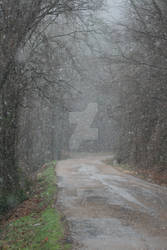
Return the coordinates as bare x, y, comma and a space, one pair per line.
36, 224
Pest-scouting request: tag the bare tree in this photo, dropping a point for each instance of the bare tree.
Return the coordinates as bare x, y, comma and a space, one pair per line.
141, 84
19, 21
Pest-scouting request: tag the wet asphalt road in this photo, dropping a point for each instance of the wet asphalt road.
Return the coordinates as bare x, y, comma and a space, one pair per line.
110, 210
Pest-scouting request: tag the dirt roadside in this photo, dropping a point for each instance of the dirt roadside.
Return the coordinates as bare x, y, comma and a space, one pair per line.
154, 175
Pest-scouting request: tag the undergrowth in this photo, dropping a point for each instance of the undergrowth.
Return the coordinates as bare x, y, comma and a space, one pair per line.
42, 227
154, 175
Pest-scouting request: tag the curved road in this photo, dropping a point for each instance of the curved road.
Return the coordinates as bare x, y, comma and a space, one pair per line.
110, 210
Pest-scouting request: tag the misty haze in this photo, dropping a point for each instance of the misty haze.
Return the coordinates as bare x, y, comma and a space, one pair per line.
83, 124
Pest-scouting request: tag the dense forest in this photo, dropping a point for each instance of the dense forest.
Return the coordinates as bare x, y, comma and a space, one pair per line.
53, 51
140, 85
37, 70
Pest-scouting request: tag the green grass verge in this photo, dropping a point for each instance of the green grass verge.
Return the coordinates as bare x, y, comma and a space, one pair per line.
42, 229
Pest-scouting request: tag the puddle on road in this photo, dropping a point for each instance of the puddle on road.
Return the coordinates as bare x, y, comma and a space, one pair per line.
92, 172
91, 228
110, 234
110, 211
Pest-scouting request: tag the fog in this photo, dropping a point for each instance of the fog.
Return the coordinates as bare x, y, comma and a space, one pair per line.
81, 77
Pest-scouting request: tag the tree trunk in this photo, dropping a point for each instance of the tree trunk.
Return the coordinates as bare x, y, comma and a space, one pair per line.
8, 140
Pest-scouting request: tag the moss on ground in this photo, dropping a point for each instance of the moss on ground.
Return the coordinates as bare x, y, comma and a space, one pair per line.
41, 229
